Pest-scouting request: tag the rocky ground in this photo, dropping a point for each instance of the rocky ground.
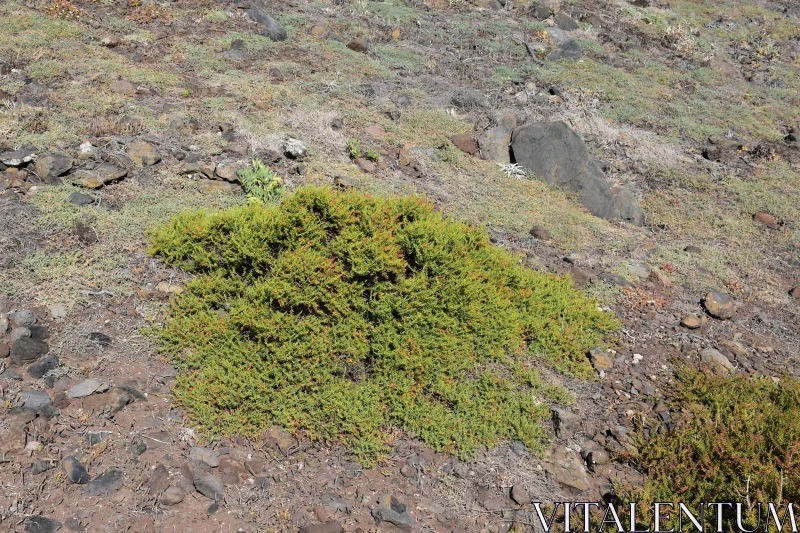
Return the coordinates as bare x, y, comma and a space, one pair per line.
684, 221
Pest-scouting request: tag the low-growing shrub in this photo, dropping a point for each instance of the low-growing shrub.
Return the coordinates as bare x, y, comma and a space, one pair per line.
344, 317
737, 440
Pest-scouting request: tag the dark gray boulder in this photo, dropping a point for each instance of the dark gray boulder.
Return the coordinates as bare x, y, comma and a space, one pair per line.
272, 27
568, 50
558, 156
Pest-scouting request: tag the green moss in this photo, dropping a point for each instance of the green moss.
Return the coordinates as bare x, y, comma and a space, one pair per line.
738, 434
342, 316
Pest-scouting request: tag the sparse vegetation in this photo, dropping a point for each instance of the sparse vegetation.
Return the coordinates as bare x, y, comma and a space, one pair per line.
340, 316
740, 435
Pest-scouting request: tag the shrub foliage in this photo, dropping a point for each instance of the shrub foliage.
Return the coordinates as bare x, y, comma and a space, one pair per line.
347, 317
738, 440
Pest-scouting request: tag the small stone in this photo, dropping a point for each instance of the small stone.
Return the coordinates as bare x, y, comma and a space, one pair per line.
466, 143
574, 258
366, 165
209, 486
138, 448
319, 31
143, 154
100, 338
566, 424
19, 333
172, 496
60, 400
520, 495
11, 375
41, 466
110, 41
209, 457
41, 524
106, 483
22, 318
51, 166
43, 366
461, 471
271, 27
228, 171
540, 233
408, 471
17, 158
93, 438
600, 359
580, 276
394, 512
565, 22
717, 361
78, 198
691, 322
719, 305
159, 480
569, 50
795, 293
358, 45
122, 87
73, 524
765, 219
567, 469
34, 400
84, 388
640, 270
74, 471
295, 149
692, 249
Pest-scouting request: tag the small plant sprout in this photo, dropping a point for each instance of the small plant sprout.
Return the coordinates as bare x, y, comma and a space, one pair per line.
261, 184
372, 155
354, 148
512, 170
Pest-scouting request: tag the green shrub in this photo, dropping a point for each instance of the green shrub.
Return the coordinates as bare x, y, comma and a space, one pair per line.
342, 316
354, 148
736, 441
372, 155
261, 184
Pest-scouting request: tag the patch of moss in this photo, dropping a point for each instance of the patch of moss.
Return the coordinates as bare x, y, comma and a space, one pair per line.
342, 316
740, 435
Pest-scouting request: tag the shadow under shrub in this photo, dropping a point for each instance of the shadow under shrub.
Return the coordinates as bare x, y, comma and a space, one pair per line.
344, 317
737, 440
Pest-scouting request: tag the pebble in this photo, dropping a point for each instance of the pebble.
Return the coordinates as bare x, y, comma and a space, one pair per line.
209, 486
74, 471
23, 318
719, 305
19, 333
172, 496
520, 495
103, 484
691, 322
41, 524
717, 361
540, 233
34, 400
209, 457
391, 510
43, 366
27, 350
84, 388
41, 466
